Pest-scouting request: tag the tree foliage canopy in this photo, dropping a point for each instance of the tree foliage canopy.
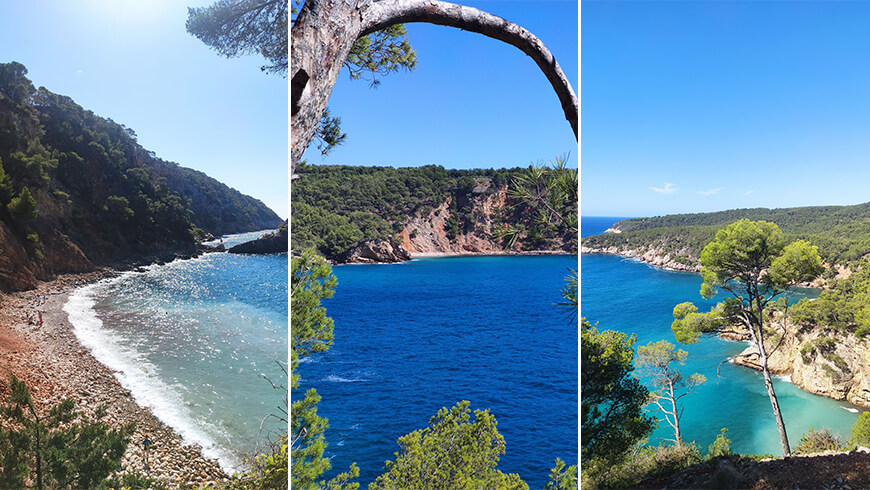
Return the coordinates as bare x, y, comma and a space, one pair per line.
311, 280
453, 452
57, 449
241, 27
860, 435
23, 208
612, 399
549, 193
751, 254
845, 307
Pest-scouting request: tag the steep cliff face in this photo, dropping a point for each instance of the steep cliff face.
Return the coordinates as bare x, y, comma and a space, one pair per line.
14, 273
819, 360
430, 233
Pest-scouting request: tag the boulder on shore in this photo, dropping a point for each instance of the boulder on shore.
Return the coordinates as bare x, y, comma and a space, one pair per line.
374, 251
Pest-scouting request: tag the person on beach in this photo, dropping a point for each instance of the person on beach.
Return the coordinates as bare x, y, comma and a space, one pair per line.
146, 443
40, 318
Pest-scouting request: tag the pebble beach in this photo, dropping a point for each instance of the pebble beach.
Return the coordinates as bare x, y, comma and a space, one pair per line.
55, 366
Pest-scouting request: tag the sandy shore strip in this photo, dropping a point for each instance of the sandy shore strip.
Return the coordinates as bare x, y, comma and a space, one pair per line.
55, 366
421, 255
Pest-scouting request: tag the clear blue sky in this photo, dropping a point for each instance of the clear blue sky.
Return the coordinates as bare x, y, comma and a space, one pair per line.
472, 102
132, 61
693, 106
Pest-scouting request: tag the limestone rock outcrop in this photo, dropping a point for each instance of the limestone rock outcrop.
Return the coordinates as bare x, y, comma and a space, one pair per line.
375, 251
650, 255
820, 360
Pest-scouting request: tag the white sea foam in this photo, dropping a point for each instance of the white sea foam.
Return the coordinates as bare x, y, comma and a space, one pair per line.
138, 375
783, 377
338, 379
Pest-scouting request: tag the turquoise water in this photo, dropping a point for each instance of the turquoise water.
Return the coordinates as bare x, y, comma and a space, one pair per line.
415, 337
194, 340
633, 297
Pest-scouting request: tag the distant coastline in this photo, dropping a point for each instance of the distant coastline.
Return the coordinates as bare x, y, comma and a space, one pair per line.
430, 255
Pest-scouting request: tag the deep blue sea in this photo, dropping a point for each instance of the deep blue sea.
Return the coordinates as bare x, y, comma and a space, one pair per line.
192, 339
637, 298
412, 338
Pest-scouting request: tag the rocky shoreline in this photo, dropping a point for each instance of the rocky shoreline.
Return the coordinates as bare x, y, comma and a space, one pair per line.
55, 366
650, 256
838, 368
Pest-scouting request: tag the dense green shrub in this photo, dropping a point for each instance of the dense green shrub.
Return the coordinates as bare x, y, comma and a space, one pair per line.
640, 463
721, 446
818, 441
23, 208
89, 172
456, 450
861, 431
268, 470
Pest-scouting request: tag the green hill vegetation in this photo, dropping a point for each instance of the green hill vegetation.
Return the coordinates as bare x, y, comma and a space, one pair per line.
842, 233
70, 179
845, 306
337, 207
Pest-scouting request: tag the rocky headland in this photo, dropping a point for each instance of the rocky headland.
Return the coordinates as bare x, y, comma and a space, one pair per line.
651, 255
374, 252
78, 192
820, 360
272, 243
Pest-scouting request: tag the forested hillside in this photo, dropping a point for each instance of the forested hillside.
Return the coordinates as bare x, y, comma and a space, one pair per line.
842, 233
423, 209
77, 189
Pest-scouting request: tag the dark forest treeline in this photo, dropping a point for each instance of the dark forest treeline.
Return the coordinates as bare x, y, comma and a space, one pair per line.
70, 179
842, 233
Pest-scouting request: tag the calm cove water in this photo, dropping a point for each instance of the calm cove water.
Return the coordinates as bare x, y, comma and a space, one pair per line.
415, 337
633, 297
192, 340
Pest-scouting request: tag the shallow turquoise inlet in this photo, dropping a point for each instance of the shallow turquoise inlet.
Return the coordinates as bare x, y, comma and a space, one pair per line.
633, 297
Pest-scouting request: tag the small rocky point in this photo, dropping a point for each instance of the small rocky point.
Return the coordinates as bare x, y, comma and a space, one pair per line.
273, 243
375, 251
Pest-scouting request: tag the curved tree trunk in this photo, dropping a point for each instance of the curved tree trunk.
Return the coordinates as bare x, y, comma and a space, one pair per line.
325, 30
